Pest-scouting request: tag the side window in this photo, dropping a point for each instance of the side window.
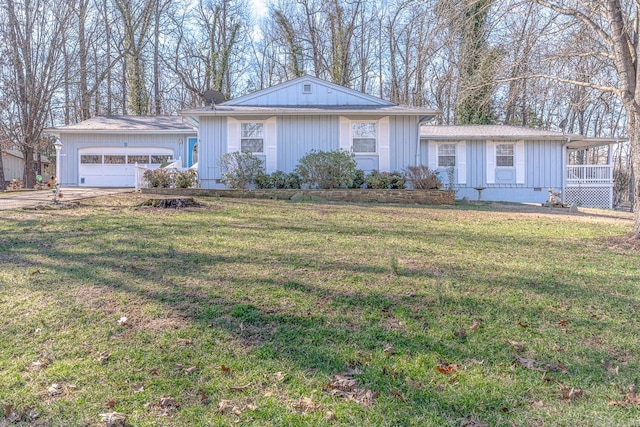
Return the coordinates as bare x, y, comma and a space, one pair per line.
252, 137
364, 137
446, 155
504, 155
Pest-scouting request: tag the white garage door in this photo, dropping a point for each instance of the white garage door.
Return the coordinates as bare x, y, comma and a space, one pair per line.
114, 166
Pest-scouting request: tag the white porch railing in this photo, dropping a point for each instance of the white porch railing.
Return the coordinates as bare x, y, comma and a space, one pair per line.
581, 175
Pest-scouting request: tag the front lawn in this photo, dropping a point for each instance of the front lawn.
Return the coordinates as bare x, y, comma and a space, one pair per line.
265, 313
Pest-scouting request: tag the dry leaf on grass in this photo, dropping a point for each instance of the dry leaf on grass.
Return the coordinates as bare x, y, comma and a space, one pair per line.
572, 394
113, 419
123, 321
609, 368
446, 368
240, 388
225, 369
516, 345
631, 399
475, 325
413, 385
306, 404
344, 384
279, 376
231, 407
471, 421
399, 395
55, 389
330, 416
190, 370
536, 365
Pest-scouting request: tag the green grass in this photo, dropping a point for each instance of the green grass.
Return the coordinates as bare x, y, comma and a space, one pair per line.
258, 305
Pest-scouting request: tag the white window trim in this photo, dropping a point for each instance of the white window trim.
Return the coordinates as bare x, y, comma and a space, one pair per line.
514, 154
455, 154
519, 161
376, 123
264, 132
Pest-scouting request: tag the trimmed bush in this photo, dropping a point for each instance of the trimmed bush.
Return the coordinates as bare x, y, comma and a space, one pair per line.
422, 178
385, 180
187, 179
158, 178
327, 169
241, 169
278, 180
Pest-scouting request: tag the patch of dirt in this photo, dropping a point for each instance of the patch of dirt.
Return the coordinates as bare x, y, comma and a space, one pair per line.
175, 203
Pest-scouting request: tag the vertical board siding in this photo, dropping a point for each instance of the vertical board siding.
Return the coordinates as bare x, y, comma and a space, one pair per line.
300, 134
71, 143
213, 143
544, 164
403, 142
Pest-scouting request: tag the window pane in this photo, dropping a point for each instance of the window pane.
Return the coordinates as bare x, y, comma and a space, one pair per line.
160, 159
504, 161
252, 130
252, 145
446, 155
446, 161
364, 145
91, 159
140, 159
364, 130
504, 149
111, 159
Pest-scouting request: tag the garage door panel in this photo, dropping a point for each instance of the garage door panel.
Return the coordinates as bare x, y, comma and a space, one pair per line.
115, 166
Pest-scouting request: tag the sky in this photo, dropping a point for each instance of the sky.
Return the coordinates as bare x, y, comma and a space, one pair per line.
259, 8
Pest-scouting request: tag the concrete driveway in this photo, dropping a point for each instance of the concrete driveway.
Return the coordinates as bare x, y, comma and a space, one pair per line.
31, 198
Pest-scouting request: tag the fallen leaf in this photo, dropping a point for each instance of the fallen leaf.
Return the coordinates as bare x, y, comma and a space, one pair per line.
475, 325
123, 321
399, 395
471, 421
524, 325
111, 404
103, 357
572, 394
526, 362
114, 419
168, 402
330, 416
225, 406
515, 344
389, 350
203, 397
609, 368
190, 370
137, 388
562, 322
225, 369
240, 388
55, 389
538, 404
7, 410
279, 376
460, 334
306, 404
446, 368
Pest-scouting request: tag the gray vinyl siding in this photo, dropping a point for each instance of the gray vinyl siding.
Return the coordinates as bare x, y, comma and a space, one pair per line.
213, 143
403, 142
71, 143
476, 164
297, 135
543, 164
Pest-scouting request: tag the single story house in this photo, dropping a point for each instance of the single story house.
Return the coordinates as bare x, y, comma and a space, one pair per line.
13, 164
283, 123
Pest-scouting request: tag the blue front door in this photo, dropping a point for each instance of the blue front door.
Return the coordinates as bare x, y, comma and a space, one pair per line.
193, 151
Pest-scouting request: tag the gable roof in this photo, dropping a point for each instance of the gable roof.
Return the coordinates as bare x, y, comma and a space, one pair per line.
126, 124
281, 94
322, 98
506, 133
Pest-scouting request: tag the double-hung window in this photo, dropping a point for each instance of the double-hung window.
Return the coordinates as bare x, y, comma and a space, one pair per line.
504, 155
252, 137
364, 137
446, 155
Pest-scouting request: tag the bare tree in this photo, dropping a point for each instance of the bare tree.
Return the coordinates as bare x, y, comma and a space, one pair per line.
34, 31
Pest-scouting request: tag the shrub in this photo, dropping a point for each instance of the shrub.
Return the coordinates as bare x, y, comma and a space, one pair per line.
385, 180
278, 180
358, 179
158, 178
327, 169
240, 169
422, 178
187, 179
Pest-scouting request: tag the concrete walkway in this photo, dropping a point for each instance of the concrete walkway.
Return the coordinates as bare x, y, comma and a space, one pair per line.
31, 198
